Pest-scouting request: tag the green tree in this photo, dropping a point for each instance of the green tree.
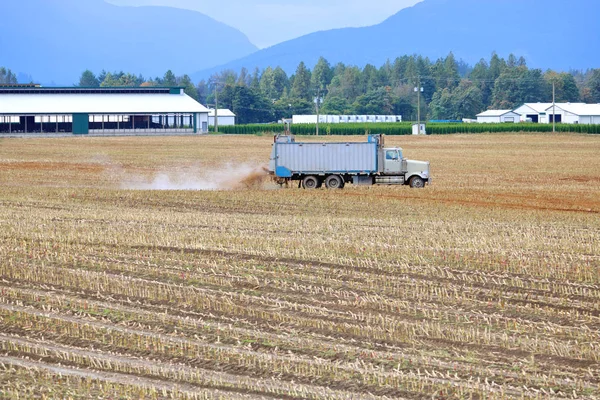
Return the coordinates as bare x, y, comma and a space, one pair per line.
482, 78
244, 77
251, 106
321, 75
592, 86
518, 85
497, 66
369, 79
467, 100
128, 80
280, 82
335, 105
109, 81
255, 80
566, 89
301, 85
88, 79
189, 88
7, 77
441, 106
267, 83
202, 90
376, 101
169, 79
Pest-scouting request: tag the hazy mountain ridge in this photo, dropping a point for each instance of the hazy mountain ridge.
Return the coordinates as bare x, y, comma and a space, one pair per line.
547, 36
56, 40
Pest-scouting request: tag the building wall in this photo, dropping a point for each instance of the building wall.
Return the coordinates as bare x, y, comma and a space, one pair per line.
510, 117
589, 119
524, 111
488, 120
499, 119
202, 121
342, 119
565, 116
223, 121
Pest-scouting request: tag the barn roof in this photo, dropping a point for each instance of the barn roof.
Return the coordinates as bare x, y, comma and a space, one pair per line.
89, 103
494, 113
579, 108
223, 112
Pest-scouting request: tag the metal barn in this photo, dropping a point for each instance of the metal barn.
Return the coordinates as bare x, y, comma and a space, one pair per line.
31, 109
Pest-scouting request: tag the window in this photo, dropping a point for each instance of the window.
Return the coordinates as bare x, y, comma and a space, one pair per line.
391, 155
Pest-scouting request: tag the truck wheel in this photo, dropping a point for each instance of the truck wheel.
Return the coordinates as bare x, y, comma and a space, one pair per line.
334, 182
417, 182
310, 182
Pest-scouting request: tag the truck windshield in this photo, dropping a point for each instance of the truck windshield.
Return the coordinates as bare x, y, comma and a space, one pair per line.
391, 155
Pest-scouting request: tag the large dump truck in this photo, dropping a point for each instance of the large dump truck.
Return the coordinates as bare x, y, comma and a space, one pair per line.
335, 164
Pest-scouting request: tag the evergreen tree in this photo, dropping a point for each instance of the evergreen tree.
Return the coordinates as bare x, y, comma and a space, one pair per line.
592, 85
169, 79
109, 81
301, 86
189, 88
7, 77
321, 75
202, 90
266, 84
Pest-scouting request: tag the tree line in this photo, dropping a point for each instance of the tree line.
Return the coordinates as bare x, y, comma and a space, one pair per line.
7, 77
451, 89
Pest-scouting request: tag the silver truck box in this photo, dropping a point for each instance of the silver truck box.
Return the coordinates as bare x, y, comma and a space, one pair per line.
318, 158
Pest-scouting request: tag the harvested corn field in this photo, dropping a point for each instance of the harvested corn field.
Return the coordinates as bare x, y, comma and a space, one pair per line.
170, 268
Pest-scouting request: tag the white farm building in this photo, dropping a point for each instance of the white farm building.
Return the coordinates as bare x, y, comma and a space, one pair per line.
498, 116
226, 117
575, 113
34, 109
541, 112
344, 119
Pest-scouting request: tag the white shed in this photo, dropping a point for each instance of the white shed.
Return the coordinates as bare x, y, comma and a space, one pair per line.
226, 117
498, 116
575, 113
538, 112
533, 112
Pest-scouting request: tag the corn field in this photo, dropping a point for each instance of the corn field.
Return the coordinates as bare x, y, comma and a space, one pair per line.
405, 128
486, 284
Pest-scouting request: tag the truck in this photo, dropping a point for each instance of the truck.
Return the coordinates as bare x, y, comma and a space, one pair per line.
334, 165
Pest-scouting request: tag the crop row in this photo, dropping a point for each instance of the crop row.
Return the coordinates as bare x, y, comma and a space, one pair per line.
27, 379
365, 378
402, 128
172, 372
138, 342
380, 327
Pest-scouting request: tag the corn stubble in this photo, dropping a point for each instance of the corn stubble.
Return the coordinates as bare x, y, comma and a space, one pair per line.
484, 285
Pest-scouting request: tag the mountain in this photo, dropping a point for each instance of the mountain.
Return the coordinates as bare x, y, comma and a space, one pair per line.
550, 34
56, 40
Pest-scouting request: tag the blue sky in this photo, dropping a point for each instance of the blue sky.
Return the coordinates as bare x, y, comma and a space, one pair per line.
268, 22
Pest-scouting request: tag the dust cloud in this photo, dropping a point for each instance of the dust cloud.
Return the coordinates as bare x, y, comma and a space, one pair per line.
226, 177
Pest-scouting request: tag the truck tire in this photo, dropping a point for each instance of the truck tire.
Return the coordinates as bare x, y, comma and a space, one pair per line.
334, 182
417, 182
310, 182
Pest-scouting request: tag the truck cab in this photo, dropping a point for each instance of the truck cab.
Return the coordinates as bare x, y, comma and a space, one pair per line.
392, 161
414, 173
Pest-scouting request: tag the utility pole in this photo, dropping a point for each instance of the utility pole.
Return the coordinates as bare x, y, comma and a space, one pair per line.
419, 89
419, 102
553, 106
317, 101
216, 109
